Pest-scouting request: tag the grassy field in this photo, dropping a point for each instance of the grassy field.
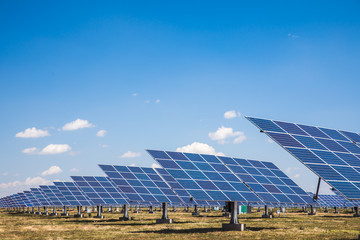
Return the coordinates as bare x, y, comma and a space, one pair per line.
294, 225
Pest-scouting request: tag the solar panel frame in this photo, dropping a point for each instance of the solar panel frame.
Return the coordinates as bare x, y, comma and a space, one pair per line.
326, 167
204, 176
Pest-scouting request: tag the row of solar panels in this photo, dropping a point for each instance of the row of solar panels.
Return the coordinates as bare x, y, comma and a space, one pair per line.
186, 178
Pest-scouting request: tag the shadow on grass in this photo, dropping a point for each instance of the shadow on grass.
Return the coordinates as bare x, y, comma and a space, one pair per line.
199, 230
338, 216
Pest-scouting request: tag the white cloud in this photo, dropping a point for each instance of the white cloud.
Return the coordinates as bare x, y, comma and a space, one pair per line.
296, 176
269, 140
31, 150
293, 36
231, 114
155, 165
197, 147
132, 165
157, 101
104, 146
5, 174
240, 138
32, 133
134, 94
147, 101
48, 150
77, 124
101, 133
224, 133
36, 181
55, 149
74, 170
130, 154
51, 171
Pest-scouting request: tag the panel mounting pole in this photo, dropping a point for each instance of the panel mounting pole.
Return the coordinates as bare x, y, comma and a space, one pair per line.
317, 190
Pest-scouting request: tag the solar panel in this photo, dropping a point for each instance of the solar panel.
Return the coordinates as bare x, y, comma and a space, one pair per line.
32, 198
180, 191
19, 202
204, 177
332, 155
141, 184
328, 200
40, 196
100, 190
51, 196
268, 181
25, 199
73, 194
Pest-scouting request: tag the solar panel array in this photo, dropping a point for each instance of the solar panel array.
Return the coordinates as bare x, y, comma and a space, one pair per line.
72, 194
100, 190
204, 177
268, 181
141, 184
331, 154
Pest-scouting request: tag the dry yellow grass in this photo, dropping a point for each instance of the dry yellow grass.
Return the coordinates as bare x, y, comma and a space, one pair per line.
293, 225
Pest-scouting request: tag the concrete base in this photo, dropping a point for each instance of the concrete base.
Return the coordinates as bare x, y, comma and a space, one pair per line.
356, 215
160, 221
233, 227
47, 214
79, 215
151, 212
125, 218
226, 214
38, 213
266, 216
53, 214
101, 217
64, 215
195, 214
310, 213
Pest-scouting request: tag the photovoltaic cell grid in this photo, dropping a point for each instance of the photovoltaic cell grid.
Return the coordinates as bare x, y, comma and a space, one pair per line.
25, 199
331, 154
328, 200
204, 177
40, 197
100, 190
180, 191
72, 194
141, 184
51, 196
32, 198
268, 181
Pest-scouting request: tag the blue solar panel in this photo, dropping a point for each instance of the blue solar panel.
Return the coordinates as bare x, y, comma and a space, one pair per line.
41, 197
100, 190
333, 155
73, 195
327, 200
32, 198
206, 178
268, 181
25, 199
142, 184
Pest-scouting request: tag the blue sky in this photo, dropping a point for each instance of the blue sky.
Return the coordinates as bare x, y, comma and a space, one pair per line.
161, 75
